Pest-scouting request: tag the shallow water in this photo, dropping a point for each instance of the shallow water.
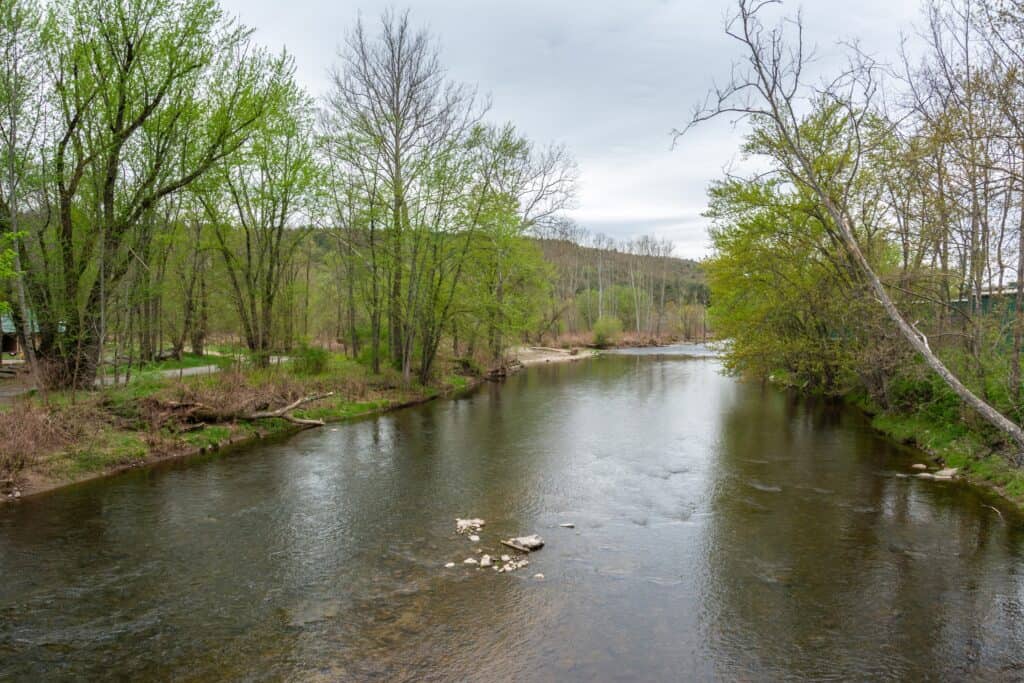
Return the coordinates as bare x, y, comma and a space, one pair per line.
723, 530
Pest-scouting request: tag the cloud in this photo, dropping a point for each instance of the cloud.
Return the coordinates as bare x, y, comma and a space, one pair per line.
609, 79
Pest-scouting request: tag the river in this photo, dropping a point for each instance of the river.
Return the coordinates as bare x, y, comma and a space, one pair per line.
723, 530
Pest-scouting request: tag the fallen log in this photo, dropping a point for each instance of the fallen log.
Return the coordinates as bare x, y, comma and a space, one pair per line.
284, 413
202, 412
515, 546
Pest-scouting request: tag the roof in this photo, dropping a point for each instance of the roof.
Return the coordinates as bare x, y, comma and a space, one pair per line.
7, 325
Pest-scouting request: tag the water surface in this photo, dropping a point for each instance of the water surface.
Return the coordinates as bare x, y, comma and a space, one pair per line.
723, 530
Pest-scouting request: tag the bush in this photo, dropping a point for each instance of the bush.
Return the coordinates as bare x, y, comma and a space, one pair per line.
29, 431
606, 331
310, 360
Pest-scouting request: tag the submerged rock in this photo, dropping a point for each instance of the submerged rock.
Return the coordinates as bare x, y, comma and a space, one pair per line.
538, 576
567, 525
474, 538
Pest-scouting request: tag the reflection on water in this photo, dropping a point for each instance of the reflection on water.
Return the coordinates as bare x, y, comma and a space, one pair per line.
722, 530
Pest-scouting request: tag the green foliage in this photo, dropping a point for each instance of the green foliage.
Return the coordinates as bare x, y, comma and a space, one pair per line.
310, 360
607, 331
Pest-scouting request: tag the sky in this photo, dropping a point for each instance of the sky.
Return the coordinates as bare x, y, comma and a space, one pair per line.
608, 79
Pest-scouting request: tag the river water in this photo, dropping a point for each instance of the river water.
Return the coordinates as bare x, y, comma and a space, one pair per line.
724, 530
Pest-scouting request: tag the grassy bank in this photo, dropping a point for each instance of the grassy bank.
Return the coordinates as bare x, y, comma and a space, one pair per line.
962, 442
62, 438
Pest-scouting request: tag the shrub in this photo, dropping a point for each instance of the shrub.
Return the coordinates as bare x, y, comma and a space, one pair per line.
606, 331
310, 360
31, 431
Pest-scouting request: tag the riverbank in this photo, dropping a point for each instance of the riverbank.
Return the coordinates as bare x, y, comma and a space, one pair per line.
539, 355
69, 437
980, 459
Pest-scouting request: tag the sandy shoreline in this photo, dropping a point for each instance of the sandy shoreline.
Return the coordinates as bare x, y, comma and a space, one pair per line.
538, 355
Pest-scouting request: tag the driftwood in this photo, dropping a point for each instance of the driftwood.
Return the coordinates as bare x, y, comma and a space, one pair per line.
515, 546
204, 413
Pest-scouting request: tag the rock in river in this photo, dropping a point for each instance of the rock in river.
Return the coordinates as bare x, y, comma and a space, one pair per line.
465, 526
485, 561
526, 544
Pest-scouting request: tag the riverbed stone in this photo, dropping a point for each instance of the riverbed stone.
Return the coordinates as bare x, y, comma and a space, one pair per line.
526, 543
449, 565
947, 472
469, 560
465, 526
474, 538
567, 525
919, 466
538, 576
486, 561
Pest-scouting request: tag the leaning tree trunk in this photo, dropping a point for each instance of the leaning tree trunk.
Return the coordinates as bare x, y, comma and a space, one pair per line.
915, 338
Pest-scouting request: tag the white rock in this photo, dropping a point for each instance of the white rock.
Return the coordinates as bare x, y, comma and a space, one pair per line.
505, 558
947, 472
464, 526
539, 577
474, 538
567, 525
919, 466
925, 475
527, 543
469, 560
485, 561
449, 565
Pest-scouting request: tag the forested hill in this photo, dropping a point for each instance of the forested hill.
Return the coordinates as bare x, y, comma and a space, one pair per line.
686, 272
637, 286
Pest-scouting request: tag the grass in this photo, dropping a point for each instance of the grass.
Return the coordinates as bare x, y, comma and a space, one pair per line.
73, 436
980, 457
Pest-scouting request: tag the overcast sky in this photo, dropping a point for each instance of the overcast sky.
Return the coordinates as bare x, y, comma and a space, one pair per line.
609, 79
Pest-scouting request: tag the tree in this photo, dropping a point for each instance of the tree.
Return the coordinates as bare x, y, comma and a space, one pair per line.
770, 88
256, 199
21, 116
148, 96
